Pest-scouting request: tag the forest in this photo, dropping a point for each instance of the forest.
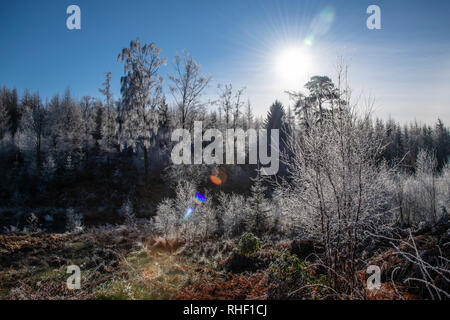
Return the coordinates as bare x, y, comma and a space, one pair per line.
90, 182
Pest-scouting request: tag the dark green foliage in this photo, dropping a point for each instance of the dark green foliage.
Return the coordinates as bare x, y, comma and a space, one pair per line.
277, 119
249, 244
287, 273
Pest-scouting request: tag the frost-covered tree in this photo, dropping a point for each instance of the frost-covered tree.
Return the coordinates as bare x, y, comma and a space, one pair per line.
161, 141
88, 107
226, 103
187, 86
163, 114
238, 103
337, 187
424, 195
172, 219
65, 129
141, 95
4, 118
32, 123
249, 118
127, 211
259, 207
232, 214
109, 127
74, 223
106, 90
230, 104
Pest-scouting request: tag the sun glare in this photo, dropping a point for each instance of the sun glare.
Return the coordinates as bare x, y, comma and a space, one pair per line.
293, 65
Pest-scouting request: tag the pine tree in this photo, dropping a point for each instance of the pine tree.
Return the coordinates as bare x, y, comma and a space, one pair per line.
442, 144
275, 116
276, 119
163, 114
322, 90
109, 126
99, 116
163, 136
106, 90
259, 207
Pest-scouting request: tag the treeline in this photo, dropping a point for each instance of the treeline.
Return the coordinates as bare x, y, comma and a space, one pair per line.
50, 145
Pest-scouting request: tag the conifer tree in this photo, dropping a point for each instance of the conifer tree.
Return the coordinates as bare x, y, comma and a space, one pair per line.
259, 207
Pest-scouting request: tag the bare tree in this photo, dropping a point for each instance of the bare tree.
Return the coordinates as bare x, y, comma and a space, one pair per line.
187, 86
238, 103
225, 103
230, 103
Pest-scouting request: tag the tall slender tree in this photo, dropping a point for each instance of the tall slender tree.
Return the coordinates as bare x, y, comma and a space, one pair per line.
141, 94
109, 126
249, 118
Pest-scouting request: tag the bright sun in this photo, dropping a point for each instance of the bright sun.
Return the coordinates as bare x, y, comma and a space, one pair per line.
292, 65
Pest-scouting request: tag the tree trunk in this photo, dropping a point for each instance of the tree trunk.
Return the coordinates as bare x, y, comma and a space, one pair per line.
145, 164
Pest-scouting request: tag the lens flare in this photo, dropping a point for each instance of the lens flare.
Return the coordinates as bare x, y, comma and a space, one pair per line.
320, 25
309, 40
216, 180
199, 198
218, 176
188, 212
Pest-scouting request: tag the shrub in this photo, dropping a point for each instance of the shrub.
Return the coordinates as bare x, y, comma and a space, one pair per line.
32, 224
249, 244
170, 214
73, 221
232, 214
422, 196
128, 212
286, 274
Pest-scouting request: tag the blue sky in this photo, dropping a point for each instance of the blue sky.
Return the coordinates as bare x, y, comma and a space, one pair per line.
405, 66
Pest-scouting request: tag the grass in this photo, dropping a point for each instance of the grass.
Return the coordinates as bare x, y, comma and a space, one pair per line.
149, 274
